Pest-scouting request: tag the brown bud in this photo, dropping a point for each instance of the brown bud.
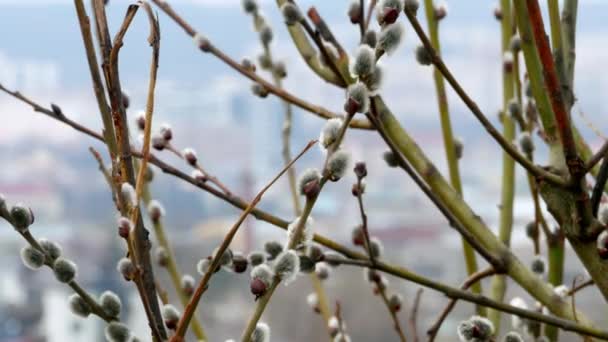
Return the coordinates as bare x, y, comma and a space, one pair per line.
239, 263
358, 236
56, 110
312, 188
258, 287
360, 169
159, 143
390, 15
351, 106
357, 190
354, 13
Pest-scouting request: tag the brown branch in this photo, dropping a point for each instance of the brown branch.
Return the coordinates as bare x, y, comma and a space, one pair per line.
507, 146
414, 315
355, 258
581, 286
599, 155
215, 262
474, 278
287, 96
370, 10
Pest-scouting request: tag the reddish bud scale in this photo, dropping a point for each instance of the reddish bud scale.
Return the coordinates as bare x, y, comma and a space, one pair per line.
258, 288
351, 106
239, 264
360, 169
390, 15
312, 188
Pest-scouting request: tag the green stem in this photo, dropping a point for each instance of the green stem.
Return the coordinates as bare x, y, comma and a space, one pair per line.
556, 30
556, 272
499, 285
513, 266
448, 139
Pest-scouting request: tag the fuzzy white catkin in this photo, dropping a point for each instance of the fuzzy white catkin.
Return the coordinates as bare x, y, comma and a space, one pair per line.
128, 194
110, 303
261, 333
307, 176
170, 313
516, 321
338, 164
64, 269
203, 266
262, 272
312, 300
78, 306
117, 332
291, 13
307, 232
359, 93
390, 38
287, 266
329, 133
364, 62
32, 258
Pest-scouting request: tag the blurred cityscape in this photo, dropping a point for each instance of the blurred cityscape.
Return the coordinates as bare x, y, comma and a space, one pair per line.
237, 136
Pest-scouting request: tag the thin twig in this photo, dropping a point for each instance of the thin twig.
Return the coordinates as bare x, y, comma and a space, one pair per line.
414, 315
215, 262
356, 258
507, 146
287, 96
370, 10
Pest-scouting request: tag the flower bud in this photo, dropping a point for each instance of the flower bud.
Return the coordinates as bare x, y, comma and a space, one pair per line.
265, 63
187, 284
411, 6
261, 333
515, 44
307, 265
257, 258
390, 158
538, 265
337, 165
249, 6
198, 176
354, 12
266, 35
56, 110
259, 90
248, 64
32, 258
313, 301
158, 142
376, 247
358, 237
475, 328
358, 189
171, 316
380, 285
370, 38
315, 253
126, 268
423, 57
64, 269
128, 194
562, 291
239, 263
140, 120
117, 332
225, 258
79, 306
279, 69
374, 81
51, 249
201, 42
360, 169
458, 148
155, 211
395, 302
203, 265
161, 256
110, 303
390, 38
124, 227
291, 13
126, 100
286, 266
357, 99
273, 248
334, 326
387, 11
507, 61
497, 13
513, 337
166, 132
330, 132
526, 144
22, 217
261, 278
322, 270
441, 11
190, 156
532, 230
364, 62
308, 183
514, 108
602, 245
